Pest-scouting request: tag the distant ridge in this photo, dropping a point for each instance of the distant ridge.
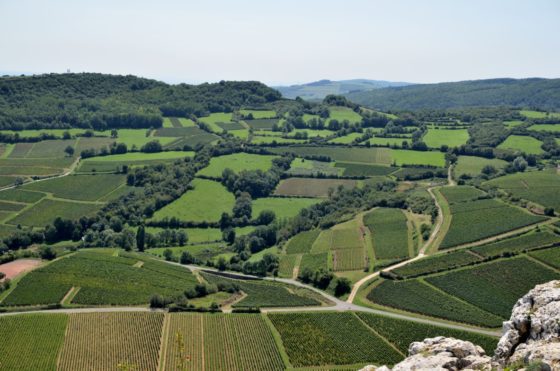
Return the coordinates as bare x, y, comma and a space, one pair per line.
531, 93
317, 90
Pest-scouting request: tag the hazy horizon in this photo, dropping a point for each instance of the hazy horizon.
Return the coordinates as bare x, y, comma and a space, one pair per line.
284, 43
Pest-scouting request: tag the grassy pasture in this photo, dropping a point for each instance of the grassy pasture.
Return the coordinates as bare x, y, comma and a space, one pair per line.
553, 128
135, 137
206, 202
47, 210
346, 139
102, 341
435, 138
31, 342
409, 157
313, 133
388, 142
319, 339
522, 143
237, 162
536, 186
389, 233
283, 207
344, 113
472, 165
496, 286
241, 133
311, 187
79, 187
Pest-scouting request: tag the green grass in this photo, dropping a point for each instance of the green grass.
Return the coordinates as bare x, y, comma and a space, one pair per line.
240, 133
79, 187
206, 202
103, 280
389, 233
472, 165
283, 207
409, 157
496, 286
344, 113
31, 342
317, 339
346, 139
522, 143
554, 128
415, 296
313, 133
435, 138
262, 124
237, 162
302, 242
539, 114
537, 186
402, 333
46, 211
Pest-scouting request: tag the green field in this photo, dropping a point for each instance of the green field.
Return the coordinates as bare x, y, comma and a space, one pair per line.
315, 261
389, 233
344, 113
522, 143
102, 280
539, 114
237, 162
135, 138
115, 163
283, 207
79, 187
519, 244
47, 210
259, 114
437, 263
472, 165
302, 242
352, 169
550, 257
496, 286
435, 138
537, 186
257, 139
206, 202
300, 166
311, 187
554, 128
416, 296
388, 142
354, 154
408, 157
346, 139
31, 342
475, 220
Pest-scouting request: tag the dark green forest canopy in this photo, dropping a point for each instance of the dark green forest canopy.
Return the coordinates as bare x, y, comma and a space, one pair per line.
98, 101
526, 93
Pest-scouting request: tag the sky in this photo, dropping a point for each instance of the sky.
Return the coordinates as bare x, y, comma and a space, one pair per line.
283, 42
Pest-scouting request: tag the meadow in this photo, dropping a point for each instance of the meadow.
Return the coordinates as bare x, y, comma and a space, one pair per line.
206, 202
237, 162
522, 143
344, 114
472, 166
282, 207
346, 139
388, 142
436, 138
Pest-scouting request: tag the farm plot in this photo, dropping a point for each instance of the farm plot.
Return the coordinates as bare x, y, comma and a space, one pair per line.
263, 294
47, 210
549, 257
286, 265
283, 207
34, 166
435, 138
221, 342
472, 165
79, 187
539, 114
228, 126
496, 286
389, 233
31, 342
102, 280
346, 139
344, 154
115, 163
553, 128
311, 187
206, 202
344, 114
349, 259
135, 138
259, 114
408, 157
320, 339
19, 195
300, 166
519, 244
522, 143
203, 251
353, 169
96, 143
402, 333
315, 261
482, 218
415, 296
536, 186
15, 268
388, 142
103, 341
437, 263
302, 242
237, 162
262, 124
50, 148
178, 138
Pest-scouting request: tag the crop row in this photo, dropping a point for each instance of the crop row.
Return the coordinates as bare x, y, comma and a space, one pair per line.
389, 233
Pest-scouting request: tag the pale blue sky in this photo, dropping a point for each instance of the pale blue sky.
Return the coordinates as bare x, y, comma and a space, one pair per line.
284, 41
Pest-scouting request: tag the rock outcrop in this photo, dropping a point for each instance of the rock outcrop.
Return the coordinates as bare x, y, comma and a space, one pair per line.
530, 337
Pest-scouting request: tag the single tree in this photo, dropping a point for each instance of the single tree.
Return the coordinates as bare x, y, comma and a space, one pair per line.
69, 151
141, 238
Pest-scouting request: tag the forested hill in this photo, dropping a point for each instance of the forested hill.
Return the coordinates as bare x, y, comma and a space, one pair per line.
320, 89
105, 101
530, 93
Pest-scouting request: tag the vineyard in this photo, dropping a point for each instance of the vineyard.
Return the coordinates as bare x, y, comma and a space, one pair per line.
389, 233
519, 244
315, 261
496, 286
102, 341
415, 296
349, 259
302, 242
437, 263
317, 339
402, 333
102, 279
31, 342
550, 257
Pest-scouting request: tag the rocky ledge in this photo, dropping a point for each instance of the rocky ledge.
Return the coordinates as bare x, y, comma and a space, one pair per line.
531, 340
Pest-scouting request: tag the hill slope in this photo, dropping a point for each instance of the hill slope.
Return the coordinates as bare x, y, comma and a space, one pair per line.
534, 93
319, 89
